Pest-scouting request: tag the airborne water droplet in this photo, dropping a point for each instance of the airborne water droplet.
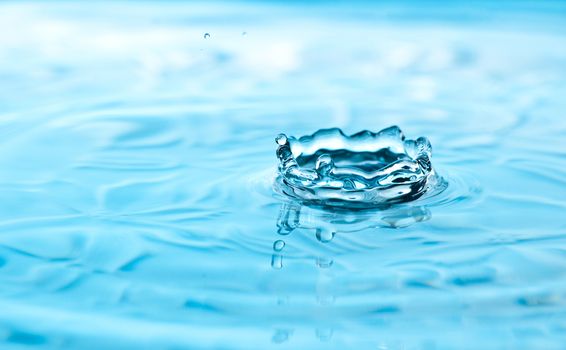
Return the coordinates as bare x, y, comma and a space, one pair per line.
281, 139
278, 245
206, 35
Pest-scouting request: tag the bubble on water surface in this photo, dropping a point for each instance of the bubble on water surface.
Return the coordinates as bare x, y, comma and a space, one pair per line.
363, 170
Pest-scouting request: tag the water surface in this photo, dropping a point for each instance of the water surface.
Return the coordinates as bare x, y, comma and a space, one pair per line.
137, 163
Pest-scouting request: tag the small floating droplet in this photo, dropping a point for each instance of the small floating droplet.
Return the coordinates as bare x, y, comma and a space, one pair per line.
244, 33
281, 139
324, 236
278, 245
206, 35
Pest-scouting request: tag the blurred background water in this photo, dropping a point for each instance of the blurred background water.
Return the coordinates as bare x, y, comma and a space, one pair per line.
137, 158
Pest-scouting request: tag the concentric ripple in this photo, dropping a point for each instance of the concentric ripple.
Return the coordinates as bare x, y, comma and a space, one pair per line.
363, 170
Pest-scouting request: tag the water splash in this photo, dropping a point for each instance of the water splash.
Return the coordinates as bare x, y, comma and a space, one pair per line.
363, 170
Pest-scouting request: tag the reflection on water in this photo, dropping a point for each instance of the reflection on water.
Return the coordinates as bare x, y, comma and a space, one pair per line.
325, 224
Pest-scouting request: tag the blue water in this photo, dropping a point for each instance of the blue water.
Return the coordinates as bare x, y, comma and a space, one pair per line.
137, 163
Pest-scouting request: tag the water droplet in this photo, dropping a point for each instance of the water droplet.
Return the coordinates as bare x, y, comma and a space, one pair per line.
281, 139
324, 236
244, 33
206, 35
278, 245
